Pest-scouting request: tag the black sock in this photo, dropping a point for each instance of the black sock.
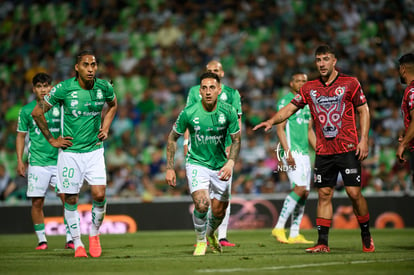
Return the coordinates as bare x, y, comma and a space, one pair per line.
323, 232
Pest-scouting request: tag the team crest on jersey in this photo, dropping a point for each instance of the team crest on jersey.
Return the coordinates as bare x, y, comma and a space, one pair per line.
340, 91
55, 111
73, 103
99, 94
222, 119
298, 97
223, 97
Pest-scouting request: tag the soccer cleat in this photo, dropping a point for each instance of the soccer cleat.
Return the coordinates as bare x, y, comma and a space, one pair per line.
225, 242
368, 241
69, 245
279, 234
298, 239
95, 249
81, 252
319, 248
214, 244
200, 249
42, 246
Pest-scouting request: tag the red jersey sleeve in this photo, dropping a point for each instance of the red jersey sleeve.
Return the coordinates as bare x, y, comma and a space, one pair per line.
299, 101
358, 96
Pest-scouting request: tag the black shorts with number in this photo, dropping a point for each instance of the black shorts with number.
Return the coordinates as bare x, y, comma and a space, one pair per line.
328, 166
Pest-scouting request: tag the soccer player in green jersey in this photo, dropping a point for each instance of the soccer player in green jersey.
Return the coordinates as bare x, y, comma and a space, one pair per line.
42, 157
208, 167
232, 97
295, 134
81, 154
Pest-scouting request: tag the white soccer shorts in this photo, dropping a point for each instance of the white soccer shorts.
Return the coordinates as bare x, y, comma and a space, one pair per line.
39, 178
301, 176
74, 168
200, 177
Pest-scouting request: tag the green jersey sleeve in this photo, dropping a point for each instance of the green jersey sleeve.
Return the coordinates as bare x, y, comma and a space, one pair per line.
193, 95
181, 123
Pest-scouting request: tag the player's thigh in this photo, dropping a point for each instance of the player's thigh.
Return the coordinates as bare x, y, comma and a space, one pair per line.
38, 180
219, 189
69, 172
350, 168
198, 177
325, 171
95, 169
301, 175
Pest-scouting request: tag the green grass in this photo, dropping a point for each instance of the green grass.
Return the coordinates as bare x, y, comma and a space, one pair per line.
170, 252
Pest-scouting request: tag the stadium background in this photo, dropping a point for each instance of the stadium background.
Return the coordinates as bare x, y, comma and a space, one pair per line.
155, 50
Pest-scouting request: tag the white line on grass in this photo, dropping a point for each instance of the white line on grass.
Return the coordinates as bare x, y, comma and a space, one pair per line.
299, 266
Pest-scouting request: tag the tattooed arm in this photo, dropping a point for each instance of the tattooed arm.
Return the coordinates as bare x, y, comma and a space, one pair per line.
171, 148
227, 170
38, 115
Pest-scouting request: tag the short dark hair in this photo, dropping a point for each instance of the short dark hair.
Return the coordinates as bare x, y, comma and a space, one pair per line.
210, 75
83, 53
322, 49
42, 78
407, 58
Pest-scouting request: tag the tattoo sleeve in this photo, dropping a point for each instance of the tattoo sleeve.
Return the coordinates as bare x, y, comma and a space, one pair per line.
171, 148
235, 146
38, 115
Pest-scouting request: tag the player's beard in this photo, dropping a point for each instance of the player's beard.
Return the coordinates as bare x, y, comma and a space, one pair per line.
89, 84
402, 80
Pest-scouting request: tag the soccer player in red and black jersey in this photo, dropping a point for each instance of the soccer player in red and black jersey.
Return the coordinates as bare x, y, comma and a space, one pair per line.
333, 99
406, 70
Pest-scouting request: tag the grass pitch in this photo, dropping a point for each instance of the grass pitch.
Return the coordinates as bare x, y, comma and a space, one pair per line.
170, 252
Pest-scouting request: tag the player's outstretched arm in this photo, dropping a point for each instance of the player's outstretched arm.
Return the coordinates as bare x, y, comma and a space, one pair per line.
277, 118
171, 149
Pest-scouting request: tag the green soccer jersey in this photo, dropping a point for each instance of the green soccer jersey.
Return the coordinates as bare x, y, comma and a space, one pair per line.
228, 95
82, 110
41, 153
208, 131
296, 127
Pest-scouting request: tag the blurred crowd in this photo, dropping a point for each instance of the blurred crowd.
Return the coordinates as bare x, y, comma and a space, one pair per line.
154, 51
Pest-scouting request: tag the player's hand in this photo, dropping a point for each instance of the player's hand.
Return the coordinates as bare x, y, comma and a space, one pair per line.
290, 160
21, 169
227, 170
265, 124
400, 153
62, 142
103, 134
170, 177
362, 150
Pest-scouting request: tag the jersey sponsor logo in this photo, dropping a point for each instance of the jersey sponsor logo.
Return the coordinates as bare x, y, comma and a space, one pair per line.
330, 110
206, 140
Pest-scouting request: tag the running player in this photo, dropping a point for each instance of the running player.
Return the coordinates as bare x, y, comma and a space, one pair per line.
232, 97
82, 154
208, 167
332, 100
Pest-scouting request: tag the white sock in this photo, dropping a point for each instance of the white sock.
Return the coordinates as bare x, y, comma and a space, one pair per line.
40, 232
68, 235
222, 229
72, 219
288, 207
200, 222
212, 223
297, 218
98, 214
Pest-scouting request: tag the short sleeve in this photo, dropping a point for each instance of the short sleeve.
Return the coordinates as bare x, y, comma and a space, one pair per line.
299, 100
22, 122
358, 97
234, 122
180, 124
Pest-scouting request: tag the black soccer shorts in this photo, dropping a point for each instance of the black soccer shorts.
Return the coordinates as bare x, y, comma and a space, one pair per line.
327, 168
